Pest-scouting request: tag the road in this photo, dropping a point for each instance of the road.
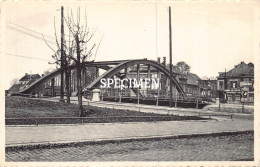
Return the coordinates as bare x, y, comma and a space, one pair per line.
222, 148
26, 135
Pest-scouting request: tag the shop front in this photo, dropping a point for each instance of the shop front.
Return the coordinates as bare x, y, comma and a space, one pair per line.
247, 92
233, 95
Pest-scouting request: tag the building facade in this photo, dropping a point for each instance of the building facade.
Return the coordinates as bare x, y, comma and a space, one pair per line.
237, 85
208, 88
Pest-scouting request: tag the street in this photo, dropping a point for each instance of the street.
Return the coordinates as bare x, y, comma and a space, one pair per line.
219, 148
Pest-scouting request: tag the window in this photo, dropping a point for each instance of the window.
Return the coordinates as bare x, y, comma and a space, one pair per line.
221, 84
233, 84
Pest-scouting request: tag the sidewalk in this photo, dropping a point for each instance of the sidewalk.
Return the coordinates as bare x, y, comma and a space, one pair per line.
64, 134
149, 108
230, 105
160, 109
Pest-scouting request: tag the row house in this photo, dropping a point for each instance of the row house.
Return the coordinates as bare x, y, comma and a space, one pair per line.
237, 85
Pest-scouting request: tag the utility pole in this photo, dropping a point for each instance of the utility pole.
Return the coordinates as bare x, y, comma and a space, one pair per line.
62, 59
170, 43
138, 78
225, 85
159, 77
225, 80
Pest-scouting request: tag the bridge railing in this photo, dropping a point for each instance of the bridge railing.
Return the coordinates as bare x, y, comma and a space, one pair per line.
153, 94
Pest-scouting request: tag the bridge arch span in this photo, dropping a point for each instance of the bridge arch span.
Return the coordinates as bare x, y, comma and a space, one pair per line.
116, 69
111, 71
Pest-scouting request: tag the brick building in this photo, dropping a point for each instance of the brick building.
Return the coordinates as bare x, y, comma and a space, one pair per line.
237, 84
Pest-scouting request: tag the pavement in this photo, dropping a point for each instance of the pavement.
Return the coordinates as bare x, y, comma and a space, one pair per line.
23, 136
159, 109
236, 147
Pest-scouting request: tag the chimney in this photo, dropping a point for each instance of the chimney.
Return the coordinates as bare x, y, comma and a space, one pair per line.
158, 59
242, 62
26, 73
164, 61
42, 75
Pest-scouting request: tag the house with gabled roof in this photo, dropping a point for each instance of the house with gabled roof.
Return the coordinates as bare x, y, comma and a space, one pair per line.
25, 81
237, 84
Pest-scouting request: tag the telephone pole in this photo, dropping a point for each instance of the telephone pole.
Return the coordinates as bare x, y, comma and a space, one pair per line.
62, 59
170, 43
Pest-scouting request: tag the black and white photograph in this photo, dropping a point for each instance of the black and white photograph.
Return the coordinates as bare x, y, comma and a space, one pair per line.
152, 83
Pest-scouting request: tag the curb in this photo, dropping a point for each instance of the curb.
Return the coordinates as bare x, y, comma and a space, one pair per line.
16, 147
105, 123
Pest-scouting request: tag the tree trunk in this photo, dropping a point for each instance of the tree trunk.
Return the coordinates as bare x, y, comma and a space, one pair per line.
79, 84
67, 77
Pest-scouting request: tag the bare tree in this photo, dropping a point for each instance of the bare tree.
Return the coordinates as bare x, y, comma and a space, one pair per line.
84, 47
68, 46
14, 81
79, 47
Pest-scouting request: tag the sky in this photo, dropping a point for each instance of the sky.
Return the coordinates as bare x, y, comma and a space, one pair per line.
208, 36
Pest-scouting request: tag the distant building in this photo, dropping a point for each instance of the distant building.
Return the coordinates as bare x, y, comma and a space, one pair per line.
189, 83
237, 84
28, 79
208, 88
25, 81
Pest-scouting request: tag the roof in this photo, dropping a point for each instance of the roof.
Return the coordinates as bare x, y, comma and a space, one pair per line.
196, 76
192, 79
27, 77
239, 70
14, 88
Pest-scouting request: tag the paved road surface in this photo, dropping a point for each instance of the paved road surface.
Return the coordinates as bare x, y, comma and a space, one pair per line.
210, 148
24, 135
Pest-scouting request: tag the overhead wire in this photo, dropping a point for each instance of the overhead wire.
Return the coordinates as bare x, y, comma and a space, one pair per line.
26, 57
20, 31
31, 30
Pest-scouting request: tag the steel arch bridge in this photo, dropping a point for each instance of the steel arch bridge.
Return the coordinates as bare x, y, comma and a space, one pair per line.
113, 68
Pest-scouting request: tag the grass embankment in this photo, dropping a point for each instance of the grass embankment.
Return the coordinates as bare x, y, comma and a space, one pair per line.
22, 107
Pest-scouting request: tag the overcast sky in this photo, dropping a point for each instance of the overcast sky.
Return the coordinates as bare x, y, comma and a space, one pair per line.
208, 36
